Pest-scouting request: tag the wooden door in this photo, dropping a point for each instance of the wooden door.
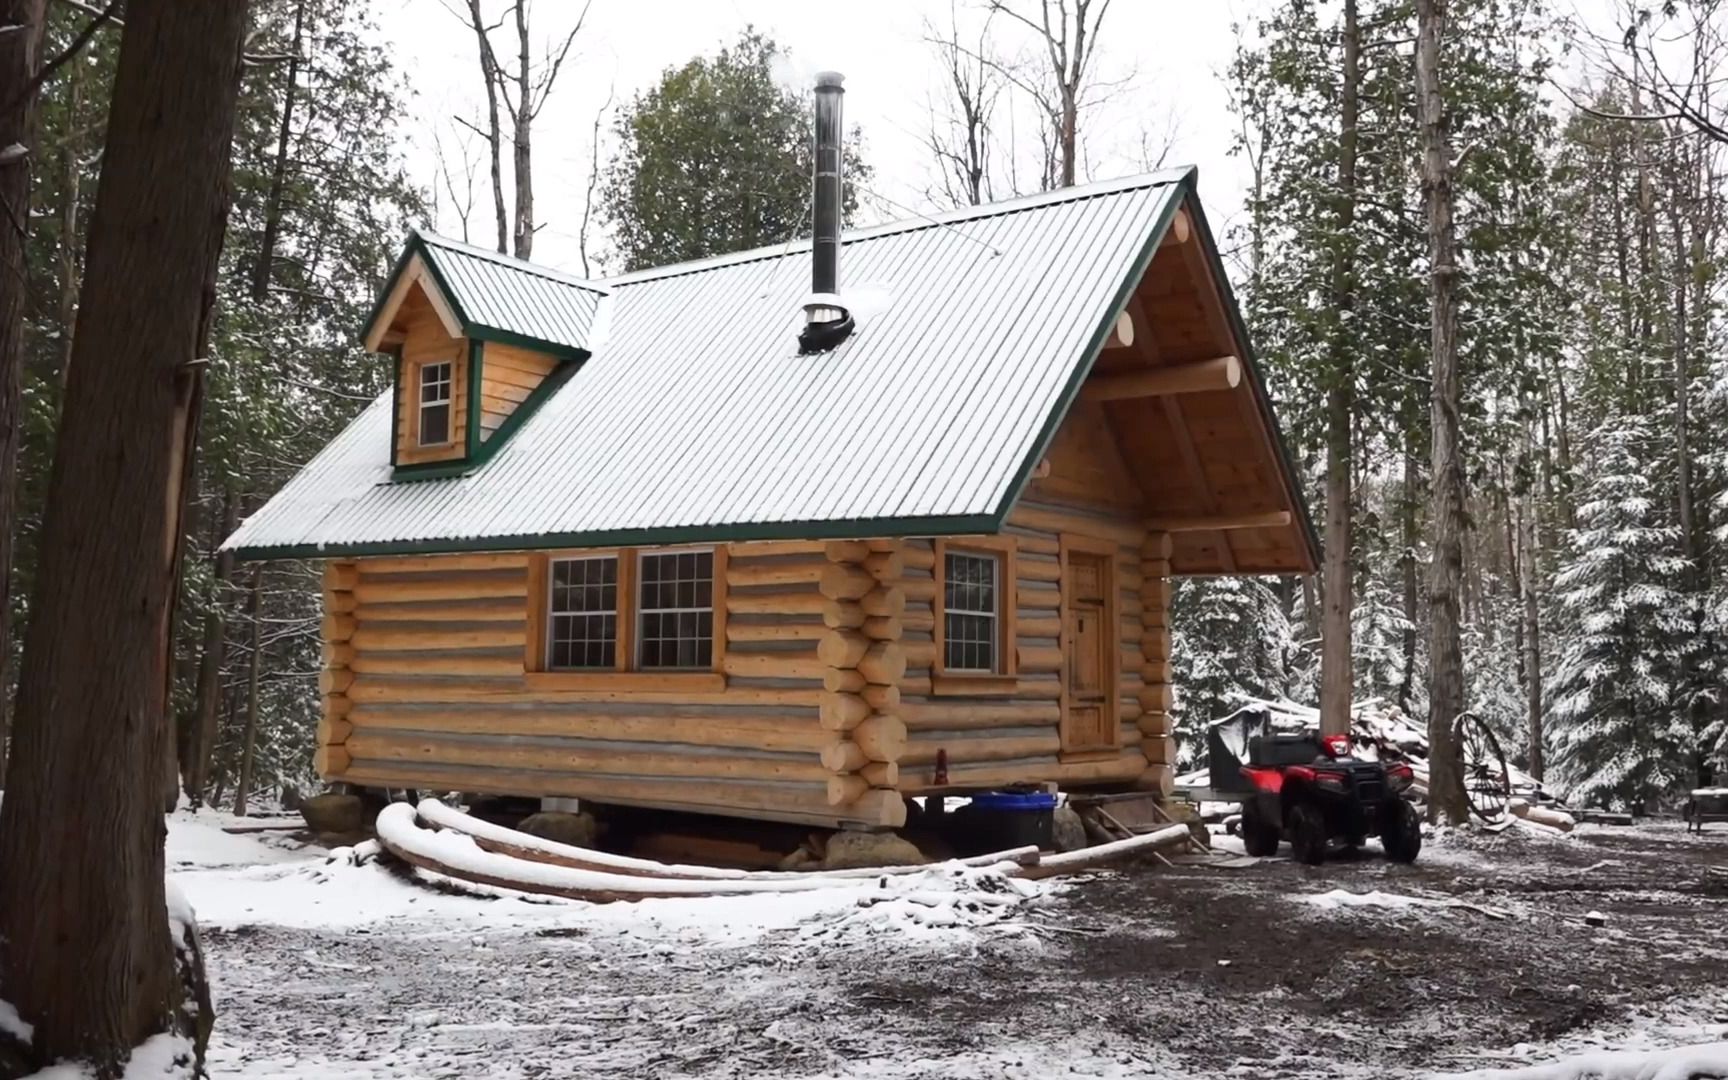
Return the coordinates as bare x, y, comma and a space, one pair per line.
1089, 642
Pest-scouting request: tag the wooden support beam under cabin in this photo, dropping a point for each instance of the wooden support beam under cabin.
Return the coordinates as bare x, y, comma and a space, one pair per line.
1271, 519
1218, 373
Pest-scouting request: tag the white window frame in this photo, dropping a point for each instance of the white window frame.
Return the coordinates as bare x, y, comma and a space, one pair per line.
994, 614
448, 401
642, 610
552, 611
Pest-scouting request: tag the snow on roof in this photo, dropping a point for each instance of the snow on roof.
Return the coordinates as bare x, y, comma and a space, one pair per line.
696, 419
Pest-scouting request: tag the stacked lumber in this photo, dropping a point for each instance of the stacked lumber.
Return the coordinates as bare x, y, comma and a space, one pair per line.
331, 756
862, 663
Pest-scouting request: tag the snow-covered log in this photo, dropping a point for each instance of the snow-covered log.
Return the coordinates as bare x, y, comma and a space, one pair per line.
1089, 858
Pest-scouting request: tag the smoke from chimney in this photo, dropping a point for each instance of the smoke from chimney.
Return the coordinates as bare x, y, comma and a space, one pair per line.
826, 321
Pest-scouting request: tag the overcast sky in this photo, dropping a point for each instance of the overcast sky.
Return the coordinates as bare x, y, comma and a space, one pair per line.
1171, 52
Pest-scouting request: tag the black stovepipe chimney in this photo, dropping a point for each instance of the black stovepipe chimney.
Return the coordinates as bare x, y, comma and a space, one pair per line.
827, 322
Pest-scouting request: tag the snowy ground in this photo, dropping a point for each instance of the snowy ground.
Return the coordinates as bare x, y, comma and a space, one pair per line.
1479, 957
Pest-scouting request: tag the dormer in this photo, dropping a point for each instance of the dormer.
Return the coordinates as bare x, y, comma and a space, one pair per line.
478, 340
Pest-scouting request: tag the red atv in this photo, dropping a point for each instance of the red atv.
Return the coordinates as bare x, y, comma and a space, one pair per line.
1313, 791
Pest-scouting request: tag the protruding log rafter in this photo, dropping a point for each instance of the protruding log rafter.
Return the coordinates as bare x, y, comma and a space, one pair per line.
1217, 373
1271, 519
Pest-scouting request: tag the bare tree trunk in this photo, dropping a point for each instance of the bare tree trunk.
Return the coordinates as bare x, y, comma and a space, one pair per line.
19, 61
494, 138
1337, 675
249, 740
201, 736
279, 170
1532, 635
1407, 571
1445, 651
523, 164
85, 954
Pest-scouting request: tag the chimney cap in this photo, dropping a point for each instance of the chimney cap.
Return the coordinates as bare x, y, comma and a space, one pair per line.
830, 80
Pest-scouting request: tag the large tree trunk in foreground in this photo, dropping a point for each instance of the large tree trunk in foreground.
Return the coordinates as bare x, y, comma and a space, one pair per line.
85, 952
1445, 575
20, 58
1337, 674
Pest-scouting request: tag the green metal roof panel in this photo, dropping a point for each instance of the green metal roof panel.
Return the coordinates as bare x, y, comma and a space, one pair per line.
497, 295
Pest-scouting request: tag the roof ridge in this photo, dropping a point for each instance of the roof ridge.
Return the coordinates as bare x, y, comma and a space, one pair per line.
526, 266
940, 219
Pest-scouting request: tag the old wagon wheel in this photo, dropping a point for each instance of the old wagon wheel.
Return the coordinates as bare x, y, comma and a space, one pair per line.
1487, 785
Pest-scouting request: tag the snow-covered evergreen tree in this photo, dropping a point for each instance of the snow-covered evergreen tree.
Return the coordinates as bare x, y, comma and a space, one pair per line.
1229, 640
1619, 737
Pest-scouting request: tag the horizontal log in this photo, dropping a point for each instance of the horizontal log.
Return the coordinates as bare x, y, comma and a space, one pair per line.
1034, 542
419, 564
1125, 768
885, 566
378, 688
575, 757
1218, 373
1156, 671
882, 699
1180, 230
918, 622
1039, 626
336, 705
1155, 568
331, 762
491, 611
1121, 333
846, 551
1272, 519
882, 738
842, 648
1048, 570
951, 715
885, 602
333, 731
1160, 779
340, 576
842, 712
1154, 724
962, 750
337, 654
918, 557
1159, 750
423, 590
843, 756
843, 615
783, 734
1155, 593
436, 664
884, 663
1038, 599
338, 627
845, 581
919, 654
882, 628
752, 548
1055, 519
772, 665
740, 575
1040, 659
881, 774
846, 788
335, 681
1157, 545
747, 633
1157, 697
880, 805
799, 603
388, 638
843, 680
919, 590
1155, 642
340, 603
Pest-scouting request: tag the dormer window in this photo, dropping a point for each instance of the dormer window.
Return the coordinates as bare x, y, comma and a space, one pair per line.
435, 385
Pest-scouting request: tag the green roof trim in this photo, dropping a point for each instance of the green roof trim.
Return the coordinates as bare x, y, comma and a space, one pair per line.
653, 537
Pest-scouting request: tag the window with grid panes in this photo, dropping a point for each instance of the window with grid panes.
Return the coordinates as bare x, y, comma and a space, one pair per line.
582, 614
675, 610
435, 404
971, 617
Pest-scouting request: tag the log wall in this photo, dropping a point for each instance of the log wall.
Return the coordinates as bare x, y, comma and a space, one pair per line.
425, 686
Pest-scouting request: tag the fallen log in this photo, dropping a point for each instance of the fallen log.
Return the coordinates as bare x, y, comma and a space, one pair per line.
1090, 858
1542, 815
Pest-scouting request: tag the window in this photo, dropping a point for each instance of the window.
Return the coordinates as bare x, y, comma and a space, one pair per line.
676, 610
627, 620
435, 382
977, 597
582, 614
970, 621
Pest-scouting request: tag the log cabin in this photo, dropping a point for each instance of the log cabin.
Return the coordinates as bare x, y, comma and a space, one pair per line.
698, 539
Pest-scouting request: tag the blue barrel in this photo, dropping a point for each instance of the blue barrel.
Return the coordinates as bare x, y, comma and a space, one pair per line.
1009, 819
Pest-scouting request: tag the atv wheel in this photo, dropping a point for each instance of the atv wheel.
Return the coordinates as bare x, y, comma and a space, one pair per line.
1402, 838
1259, 836
1307, 833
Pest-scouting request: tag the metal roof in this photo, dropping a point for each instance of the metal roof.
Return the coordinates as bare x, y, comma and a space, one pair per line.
696, 418
496, 295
